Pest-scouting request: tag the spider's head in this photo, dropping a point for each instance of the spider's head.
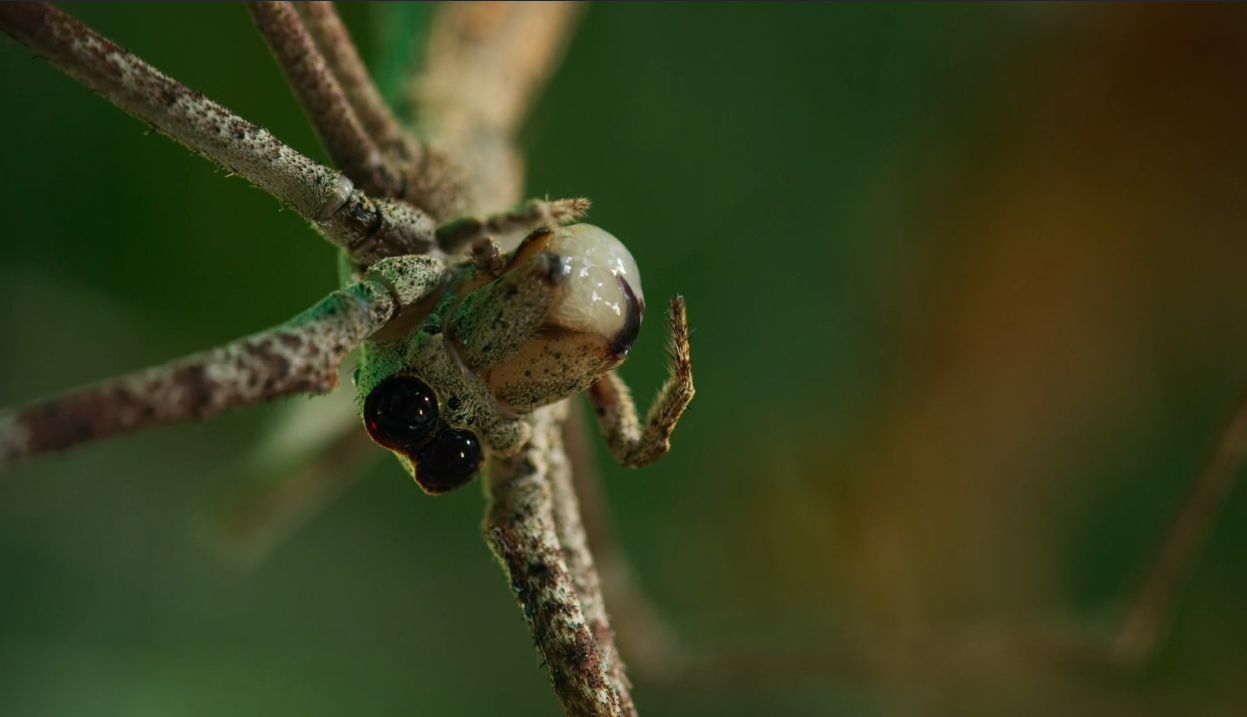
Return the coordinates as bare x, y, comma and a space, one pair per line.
563, 311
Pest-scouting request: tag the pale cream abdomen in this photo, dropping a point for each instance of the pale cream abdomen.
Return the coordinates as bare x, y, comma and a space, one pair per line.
564, 313
593, 261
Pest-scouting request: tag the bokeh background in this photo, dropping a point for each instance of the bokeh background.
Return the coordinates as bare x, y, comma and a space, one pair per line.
968, 284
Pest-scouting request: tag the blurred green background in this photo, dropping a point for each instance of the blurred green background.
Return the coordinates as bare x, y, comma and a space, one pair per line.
968, 290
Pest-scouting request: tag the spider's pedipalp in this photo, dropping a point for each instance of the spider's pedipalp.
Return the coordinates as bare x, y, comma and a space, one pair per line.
632, 445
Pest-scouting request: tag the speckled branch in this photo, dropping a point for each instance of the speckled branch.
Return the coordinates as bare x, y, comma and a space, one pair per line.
299, 356
522, 530
368, 229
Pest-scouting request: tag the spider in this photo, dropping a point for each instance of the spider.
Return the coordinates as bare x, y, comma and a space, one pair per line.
467, 352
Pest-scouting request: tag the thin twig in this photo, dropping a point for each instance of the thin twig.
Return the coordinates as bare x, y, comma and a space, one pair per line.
1152, 607
521, 529
368, 229
323, 99
299, 356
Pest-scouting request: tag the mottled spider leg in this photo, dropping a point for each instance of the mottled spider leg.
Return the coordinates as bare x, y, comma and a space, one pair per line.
570, 524
644, 638
456, 234
522, 527
300, 356
335, 43
323, 99
632, 445
429, 179
368, 229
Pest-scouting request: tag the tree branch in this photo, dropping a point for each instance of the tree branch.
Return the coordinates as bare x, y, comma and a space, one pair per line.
299, 356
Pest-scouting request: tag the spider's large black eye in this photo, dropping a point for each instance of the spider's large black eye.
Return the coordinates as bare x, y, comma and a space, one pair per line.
400, 411
448, 461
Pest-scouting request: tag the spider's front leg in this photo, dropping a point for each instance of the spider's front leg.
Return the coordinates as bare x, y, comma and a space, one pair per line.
301, 355
456, 234
632, 445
